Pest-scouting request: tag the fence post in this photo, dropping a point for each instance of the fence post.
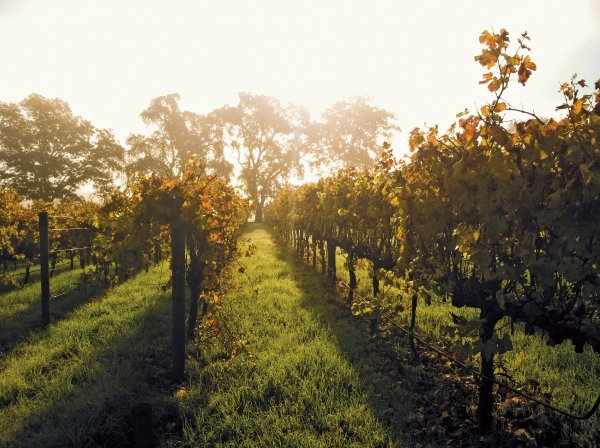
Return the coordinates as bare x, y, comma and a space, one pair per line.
141, 422
331, 252
44, 268
178, 289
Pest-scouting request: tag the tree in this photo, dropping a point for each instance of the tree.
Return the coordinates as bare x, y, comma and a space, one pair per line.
351, 132
178, 136
265, 139
48, 153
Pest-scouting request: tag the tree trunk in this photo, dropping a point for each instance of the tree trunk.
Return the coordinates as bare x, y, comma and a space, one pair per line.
260, 205
142, 426
44, 270
26, 279
331, 269
352, 275
193, 316
5, 259
307, 247
486, 387
314, 253
373, 325
413, 319
375, 284
323, 258
374, 321
53, 264
195, 275
178, 289
106, 272
194, 283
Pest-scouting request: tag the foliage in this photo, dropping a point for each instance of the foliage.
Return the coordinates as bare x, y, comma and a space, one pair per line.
212, 212
495, 217
263, 134
177, 137
350, 131
48, 153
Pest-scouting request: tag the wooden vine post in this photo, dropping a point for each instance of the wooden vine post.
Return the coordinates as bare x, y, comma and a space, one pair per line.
44, 268
331, 269
178, 288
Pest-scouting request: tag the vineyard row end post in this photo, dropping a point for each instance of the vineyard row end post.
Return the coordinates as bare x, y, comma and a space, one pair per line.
44, 268
178, 289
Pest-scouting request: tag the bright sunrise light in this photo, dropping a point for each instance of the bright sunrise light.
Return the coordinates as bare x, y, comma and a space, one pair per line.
107, 59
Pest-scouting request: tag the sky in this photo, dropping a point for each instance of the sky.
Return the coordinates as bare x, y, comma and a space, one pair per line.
109, 58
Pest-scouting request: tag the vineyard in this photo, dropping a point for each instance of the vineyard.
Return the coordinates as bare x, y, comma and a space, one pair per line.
448, 297
484, 217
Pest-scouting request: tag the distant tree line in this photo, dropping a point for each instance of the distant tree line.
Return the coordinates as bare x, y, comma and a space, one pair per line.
48, 153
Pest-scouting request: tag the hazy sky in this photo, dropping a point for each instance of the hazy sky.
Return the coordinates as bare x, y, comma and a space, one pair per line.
108, 58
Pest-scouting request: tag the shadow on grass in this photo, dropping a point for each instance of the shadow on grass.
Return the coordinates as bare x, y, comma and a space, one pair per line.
379, 372
35, 275
81, 396
27, 319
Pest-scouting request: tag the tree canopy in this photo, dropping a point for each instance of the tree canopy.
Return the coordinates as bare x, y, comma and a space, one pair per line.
350, 133
177, 137
264, 136
47, 153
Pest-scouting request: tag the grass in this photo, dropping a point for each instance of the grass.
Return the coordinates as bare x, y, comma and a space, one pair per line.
20, 310
17, 274
281, 364
74, 383
287, 369
557, 374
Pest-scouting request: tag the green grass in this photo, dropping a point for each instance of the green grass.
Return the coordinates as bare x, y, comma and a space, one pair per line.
18, 274
287, 369
21, 309
569, 380
74, 383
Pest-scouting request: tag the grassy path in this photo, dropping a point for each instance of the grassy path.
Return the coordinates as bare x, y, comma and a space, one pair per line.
281, 365
287, 369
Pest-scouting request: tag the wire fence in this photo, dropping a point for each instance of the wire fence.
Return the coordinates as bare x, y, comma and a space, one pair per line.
79, 288
367, 301
49, 250
457, 361
37, 269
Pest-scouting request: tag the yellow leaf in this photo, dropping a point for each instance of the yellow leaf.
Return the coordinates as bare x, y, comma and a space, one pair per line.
485, 36
494, 85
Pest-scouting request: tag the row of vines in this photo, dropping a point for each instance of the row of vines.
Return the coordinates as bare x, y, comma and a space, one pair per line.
130, 230
496, 214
